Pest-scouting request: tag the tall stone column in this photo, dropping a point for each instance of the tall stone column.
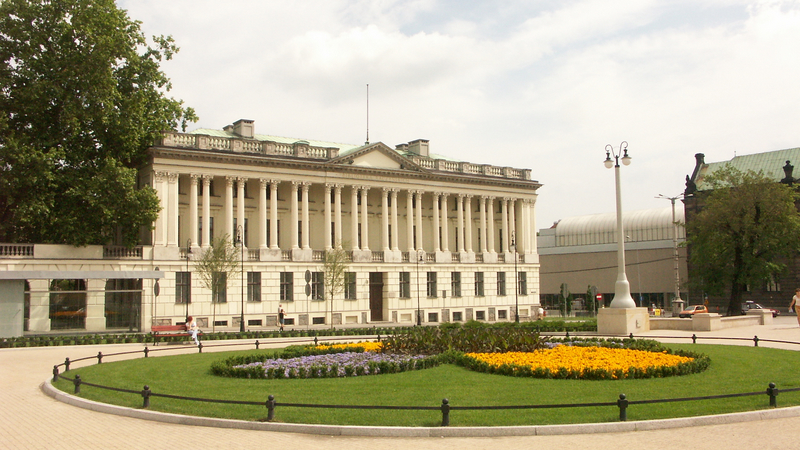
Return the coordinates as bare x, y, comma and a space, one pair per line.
354, 217
306, 218
193, 181
294, 215
326, 202
436, 233
385, 244
172, 196
532, 225
445, 231
229, 208
273, 214
160, 230
490, 227
468, 224
420, 245
262, 213
240, 208
338, 228
207, 210
482, 228
410, 221
460, 222
512, 224
364, 218
504, 205
395, 237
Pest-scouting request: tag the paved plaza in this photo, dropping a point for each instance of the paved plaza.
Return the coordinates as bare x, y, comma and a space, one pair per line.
29, 419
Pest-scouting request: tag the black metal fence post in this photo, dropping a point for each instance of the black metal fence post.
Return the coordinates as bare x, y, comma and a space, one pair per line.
445, 412
55, 373
256, 344
623, 407
146, 396
270, 408
146, 351
77, 383
755, 340
772, 391
66, 364
316, 341
200, 347
99, 357
694, 339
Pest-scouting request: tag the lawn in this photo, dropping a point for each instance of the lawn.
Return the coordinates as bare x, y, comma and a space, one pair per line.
733, 369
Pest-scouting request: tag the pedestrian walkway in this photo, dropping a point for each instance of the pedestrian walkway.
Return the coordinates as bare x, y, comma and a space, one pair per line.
31, 420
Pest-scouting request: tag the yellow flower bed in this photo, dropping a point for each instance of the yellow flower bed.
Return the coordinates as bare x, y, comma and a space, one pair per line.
367, 346
580, 360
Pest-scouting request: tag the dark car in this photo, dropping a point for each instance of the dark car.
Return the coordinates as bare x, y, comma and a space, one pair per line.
748, 305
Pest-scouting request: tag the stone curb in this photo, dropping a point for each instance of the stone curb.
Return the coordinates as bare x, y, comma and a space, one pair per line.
344, 430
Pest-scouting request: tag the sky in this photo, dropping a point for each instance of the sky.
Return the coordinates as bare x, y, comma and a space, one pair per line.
542, 85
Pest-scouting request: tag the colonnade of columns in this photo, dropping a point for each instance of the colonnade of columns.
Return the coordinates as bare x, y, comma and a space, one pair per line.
515, 216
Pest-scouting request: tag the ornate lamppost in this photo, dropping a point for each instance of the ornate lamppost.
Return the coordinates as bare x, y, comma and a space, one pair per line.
675, 247
622, 289
240, 242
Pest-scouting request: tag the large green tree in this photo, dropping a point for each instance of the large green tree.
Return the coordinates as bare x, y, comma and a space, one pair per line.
745, 232
81, 98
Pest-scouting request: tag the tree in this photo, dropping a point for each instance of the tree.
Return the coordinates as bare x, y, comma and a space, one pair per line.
335, 267
217, 264
81, 99
744, 233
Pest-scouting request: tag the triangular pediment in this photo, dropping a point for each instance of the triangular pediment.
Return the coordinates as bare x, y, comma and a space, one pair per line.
376, 156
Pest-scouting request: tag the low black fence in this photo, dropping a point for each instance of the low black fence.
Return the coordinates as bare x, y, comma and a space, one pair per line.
622, 403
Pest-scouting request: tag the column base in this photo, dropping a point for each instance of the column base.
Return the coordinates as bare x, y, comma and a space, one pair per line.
622, 321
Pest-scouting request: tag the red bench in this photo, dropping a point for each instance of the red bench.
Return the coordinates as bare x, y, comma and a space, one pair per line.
168, 331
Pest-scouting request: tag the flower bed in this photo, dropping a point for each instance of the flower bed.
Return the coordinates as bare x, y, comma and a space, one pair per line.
566, 361
333, 365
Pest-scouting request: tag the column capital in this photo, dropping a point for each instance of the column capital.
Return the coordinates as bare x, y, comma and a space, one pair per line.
194, 178
172, 177
263, 182
229, 179
305, 185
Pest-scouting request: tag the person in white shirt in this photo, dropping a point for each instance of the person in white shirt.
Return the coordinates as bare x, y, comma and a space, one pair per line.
191, 327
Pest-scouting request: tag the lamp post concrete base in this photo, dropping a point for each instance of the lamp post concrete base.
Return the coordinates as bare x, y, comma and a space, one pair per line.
623, 321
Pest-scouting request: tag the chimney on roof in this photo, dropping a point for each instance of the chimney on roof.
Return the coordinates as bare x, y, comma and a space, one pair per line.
419, 147
401, 147
243, 127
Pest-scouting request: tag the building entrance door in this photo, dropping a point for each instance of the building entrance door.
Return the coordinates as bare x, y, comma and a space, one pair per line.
376, 296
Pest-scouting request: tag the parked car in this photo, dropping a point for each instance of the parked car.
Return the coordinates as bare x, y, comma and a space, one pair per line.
748, 305
692, 310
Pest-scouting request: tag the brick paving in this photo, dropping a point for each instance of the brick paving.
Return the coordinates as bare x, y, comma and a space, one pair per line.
29, 419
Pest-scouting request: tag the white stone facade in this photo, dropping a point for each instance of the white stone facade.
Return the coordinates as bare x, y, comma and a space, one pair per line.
295, 200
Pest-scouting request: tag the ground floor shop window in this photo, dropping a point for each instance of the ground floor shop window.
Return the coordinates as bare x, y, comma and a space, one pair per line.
67, 304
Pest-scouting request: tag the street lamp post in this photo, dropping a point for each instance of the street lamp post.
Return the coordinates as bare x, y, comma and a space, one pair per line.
675, 246
420, 255
188, 276
240, 241
516, 278
622, 289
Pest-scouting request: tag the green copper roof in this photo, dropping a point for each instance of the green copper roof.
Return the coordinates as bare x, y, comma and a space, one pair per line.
770, 163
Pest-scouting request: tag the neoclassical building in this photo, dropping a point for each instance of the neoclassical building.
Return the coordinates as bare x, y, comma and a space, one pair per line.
422, 234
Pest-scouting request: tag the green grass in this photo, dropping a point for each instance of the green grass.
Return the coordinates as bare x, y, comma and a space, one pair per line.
733, 370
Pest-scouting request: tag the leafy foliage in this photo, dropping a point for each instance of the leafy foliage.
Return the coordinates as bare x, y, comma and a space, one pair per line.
748, 225
220, 257
82, 97
433, 341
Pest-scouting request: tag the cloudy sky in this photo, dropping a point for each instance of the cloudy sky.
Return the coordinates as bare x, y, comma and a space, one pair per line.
532, 84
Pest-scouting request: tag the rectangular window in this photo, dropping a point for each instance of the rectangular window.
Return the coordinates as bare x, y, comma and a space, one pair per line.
300, 233
501, 283
479, 284
502, 314
457, 316
480, 315
455, 283
522, 284
432, 285
405, 284
253, 286
433, 317
219, 292
287, 286
317, 285
350, 285
183, 287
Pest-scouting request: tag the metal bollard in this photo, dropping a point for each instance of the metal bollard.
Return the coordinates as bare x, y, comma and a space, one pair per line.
623, 407
256, 344
270, 408
445, 412
146, 396
146, 351
77, 383
694, 339
55, 373
66, 364
772, 391
99, 357
755, 340
200, 347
